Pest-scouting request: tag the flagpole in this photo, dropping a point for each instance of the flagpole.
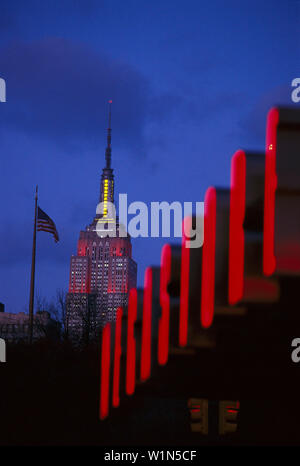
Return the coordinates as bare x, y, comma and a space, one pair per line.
32, 279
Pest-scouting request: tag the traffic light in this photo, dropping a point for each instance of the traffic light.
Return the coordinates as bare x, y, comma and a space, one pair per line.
228, 416
198, 408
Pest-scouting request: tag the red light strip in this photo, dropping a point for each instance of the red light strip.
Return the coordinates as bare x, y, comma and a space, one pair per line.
195, 409
236, 230
269, 260
208, 259
117, 359
146, 328
164, 321
184, 283
105, 372
131, 345
232, 409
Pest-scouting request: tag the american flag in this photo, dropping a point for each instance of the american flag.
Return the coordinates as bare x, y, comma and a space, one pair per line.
45, 223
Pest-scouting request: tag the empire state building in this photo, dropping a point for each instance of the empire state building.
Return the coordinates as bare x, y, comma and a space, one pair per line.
103, 271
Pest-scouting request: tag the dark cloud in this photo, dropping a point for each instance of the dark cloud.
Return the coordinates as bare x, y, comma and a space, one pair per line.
59, 89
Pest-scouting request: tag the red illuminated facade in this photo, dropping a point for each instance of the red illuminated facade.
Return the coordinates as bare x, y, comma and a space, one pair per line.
103, 271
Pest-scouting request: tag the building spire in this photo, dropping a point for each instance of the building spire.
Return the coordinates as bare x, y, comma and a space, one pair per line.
107, 177
108, 148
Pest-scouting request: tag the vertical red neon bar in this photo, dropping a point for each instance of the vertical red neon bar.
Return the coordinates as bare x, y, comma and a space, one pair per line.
131, 345
236, 230
146, 328
105, 372
164, 322
269, 260
117, 359
208, 259
184, 283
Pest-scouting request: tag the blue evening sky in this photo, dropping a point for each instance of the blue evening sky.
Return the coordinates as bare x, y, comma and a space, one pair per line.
191, 82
